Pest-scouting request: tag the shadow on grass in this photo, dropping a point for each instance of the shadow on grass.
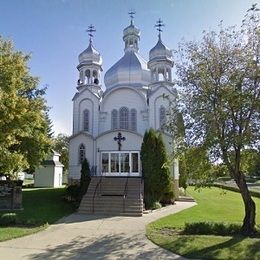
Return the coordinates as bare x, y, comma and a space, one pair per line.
236, 247
105, 247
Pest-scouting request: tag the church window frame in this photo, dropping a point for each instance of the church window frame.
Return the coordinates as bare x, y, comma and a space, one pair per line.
124, 118
114, 119
86, 120
162, 117
133, 119
82, 153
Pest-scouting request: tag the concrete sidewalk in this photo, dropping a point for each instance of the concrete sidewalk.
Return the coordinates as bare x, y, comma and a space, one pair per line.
93, 237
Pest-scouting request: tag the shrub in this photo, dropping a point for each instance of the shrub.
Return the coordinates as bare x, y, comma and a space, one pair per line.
73, 192
8, 219
156, 176
85, 177
168, 198
235, 189
211, 228
157, 205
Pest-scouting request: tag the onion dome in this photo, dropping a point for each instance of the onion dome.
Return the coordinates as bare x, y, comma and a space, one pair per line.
130, 70
160, 52
90, 55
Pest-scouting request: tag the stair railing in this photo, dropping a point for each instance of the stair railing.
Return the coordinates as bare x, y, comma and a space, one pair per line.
125, 191
94, 195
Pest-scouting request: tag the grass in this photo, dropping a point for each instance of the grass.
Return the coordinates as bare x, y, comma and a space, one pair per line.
41, 207
213, 205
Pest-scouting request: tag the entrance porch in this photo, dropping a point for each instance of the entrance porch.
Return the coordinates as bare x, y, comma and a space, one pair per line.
120, 163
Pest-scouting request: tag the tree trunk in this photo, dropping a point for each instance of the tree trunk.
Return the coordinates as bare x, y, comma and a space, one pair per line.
248, 227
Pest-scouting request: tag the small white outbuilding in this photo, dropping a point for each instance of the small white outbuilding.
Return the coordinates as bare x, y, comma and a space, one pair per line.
49, 174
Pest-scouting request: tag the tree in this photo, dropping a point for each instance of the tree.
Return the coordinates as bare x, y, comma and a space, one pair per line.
85, 177
61, 145
49, 125
250, 162
24, 142
156, 176
219, 77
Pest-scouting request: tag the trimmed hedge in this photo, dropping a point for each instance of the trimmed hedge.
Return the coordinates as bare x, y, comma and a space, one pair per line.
235, 189
212, 228
8, 219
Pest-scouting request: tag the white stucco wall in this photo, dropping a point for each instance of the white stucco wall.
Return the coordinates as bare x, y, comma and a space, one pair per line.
85, 100
44, 176
156, 100
106, 142
58, 176
75, 142
123, 97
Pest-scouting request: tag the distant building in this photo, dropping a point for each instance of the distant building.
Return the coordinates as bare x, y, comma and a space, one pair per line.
49, 174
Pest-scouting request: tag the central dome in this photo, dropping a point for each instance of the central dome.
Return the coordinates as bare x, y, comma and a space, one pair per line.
130, 70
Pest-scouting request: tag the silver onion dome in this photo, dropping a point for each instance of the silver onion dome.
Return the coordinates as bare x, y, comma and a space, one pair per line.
130, 70
90, 55
160, 51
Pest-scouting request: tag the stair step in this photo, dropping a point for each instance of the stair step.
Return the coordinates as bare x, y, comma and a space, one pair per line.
111, 196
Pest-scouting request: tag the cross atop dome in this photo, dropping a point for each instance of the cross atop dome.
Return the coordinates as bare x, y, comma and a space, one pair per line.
90, 31
159, 24
131, 14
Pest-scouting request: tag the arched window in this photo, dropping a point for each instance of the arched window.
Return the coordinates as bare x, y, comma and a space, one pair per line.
95, 77
114, 119
86, 120
82, 153
162, 116
123, 118
133, 120
87, 74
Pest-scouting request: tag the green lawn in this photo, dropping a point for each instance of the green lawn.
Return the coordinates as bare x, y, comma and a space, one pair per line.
213, 205
41, 207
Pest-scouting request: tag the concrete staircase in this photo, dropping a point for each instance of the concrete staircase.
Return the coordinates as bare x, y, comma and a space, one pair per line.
113, 196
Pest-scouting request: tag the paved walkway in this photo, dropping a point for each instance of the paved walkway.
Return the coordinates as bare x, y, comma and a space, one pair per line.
92, 237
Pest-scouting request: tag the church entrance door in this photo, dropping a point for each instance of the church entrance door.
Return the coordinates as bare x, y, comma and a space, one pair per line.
120, 163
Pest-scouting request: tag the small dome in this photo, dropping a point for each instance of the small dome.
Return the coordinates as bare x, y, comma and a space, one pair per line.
130, 70
160, 51
131, 30
90, 55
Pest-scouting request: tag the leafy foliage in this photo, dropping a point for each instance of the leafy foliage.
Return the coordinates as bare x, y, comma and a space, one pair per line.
221, 98
8, 219
156, 176
250, 162
23, 141
212, 228
61, 145
85, 177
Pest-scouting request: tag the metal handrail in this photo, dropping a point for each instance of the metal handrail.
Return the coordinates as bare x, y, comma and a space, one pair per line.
94, 195
125, 191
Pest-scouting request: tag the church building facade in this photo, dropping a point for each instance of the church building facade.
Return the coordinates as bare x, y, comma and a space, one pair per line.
109, 125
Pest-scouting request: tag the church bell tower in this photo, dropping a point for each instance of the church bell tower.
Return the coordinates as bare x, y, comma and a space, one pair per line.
90, 66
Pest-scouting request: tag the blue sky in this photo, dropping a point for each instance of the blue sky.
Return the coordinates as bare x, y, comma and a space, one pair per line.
53, 31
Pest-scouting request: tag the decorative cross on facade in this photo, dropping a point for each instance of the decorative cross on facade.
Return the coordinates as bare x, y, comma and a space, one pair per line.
119, 138
159, 24
90, 31
131, 14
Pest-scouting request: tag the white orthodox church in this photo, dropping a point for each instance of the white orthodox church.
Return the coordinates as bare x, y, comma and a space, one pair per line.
109, 125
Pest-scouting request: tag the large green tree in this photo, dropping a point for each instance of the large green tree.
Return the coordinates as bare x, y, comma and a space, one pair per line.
219, 76
23, 126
